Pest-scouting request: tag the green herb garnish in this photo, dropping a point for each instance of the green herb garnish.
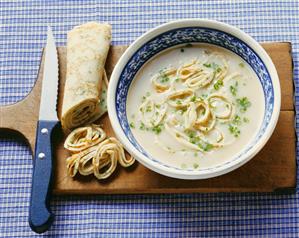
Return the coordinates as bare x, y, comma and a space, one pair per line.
132, 125
195, 165
164, 77
208, 147
234, 130
233, 89
199, 142
243, 103
148, 108
246, 120
214, 66
207, 65
218, 84
193, 98
191, 134
142, 126
157, 129
237, 120
242, 65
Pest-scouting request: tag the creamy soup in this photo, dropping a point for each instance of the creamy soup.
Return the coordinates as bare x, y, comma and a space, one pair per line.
195, 106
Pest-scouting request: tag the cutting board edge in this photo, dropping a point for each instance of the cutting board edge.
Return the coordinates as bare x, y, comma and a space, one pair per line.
286, 190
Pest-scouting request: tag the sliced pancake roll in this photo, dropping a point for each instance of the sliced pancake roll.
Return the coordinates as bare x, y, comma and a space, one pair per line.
87, 49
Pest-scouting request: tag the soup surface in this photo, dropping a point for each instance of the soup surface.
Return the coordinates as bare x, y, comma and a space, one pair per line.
195, 106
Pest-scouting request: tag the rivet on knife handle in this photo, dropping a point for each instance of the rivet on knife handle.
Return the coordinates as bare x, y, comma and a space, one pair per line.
40, 216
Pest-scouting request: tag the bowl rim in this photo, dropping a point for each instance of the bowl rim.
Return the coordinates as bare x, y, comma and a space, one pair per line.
194, 174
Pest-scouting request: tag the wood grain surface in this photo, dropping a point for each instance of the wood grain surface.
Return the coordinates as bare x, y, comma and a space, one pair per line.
272, 170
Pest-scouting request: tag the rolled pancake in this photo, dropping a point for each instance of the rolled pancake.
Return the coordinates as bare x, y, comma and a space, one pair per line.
87, 49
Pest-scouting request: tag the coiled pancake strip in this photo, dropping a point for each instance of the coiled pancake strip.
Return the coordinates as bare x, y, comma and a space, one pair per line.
94, 153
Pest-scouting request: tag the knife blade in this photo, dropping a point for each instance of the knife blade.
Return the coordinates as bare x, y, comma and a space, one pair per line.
40, 216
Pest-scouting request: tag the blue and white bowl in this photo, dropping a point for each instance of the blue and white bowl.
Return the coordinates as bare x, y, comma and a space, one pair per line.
182, 32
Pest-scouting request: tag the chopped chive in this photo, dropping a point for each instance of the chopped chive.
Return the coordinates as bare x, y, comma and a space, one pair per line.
214, 66
242, 65
148, 108
142, 126
246, 120
243, 103
233, 89
208, 147
132, 125
234, 130
179, 102
191, 134
164, 78
157, 129
218, 84
199, 142
193, 98
237, 120
195, 165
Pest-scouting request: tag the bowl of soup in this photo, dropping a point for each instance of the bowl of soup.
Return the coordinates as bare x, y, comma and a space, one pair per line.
194, 98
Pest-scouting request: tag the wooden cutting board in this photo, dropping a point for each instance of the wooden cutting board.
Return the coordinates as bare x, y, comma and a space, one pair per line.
272, 170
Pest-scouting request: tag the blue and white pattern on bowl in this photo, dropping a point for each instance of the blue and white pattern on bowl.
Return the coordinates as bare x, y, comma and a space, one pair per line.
183, 36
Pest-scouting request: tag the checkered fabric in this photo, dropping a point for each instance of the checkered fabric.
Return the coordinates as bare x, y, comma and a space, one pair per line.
23, 26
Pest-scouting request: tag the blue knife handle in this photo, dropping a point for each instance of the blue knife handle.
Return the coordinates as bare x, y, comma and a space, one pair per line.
40, 216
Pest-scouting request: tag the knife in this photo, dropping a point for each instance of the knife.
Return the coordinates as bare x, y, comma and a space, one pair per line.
40, 216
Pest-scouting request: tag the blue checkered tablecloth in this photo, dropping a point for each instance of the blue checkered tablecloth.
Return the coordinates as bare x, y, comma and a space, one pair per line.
23, 26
